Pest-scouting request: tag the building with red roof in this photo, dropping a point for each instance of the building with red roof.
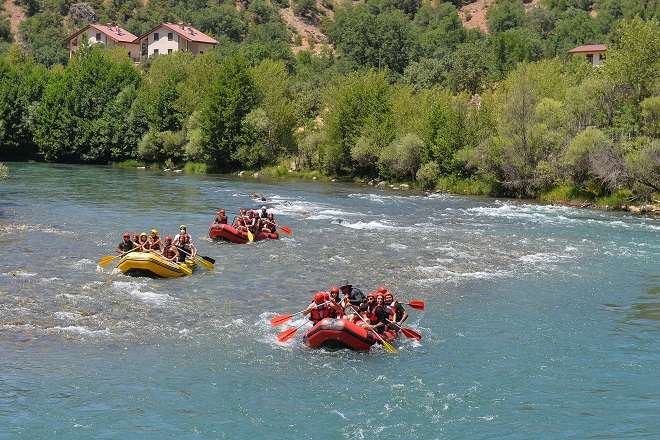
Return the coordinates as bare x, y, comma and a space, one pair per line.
594, 53
162, 39
110, 35
167, 38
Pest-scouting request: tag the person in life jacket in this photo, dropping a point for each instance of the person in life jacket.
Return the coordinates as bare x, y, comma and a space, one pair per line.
170, 251
177, 238
320, 307
126, 244
376, 318
397, 314
355, 295
185, 248
221, 217
143, 243
239, 221
338, 310
155, 243
264, 212
269, 224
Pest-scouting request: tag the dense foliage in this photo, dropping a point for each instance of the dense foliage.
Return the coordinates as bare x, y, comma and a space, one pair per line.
404, 93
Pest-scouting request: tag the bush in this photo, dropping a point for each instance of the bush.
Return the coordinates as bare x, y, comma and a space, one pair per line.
427, 176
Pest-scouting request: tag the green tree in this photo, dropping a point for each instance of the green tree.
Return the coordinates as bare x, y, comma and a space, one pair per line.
75, 100
231, 98
402, 157
21, 88
359, 105
507, 15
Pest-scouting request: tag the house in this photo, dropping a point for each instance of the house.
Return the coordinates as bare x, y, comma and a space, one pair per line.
110, 35
163, 39
595, 53
167, 38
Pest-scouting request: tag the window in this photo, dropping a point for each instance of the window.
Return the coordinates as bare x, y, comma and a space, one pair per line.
201, 52
155, 51
156, 36
170, 36
590, 58
169, 50
98, 36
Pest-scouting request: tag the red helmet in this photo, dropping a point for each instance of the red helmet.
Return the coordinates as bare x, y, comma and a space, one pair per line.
243, 211
372, 295
222, 211
326, 296
382, 289
319, 297
126, 234
334, 289
168, 238
388, 293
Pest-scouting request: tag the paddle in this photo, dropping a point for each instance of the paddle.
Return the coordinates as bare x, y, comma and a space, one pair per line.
249, 234
108, 258
288, 334
386, 344
419, 305
286, 230
278, 320
407, 332
207, 262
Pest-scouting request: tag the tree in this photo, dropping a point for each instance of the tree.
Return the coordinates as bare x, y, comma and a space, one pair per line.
359, 105
402, 157
635, 64
231, 98
77, 99
507, 15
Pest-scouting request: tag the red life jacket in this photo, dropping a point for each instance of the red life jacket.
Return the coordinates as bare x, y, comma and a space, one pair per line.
319, 312
391, 310
154, 244
168, 252
335, 314
373, 318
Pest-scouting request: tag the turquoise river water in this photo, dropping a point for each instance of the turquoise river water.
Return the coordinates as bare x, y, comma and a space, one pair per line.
541, 322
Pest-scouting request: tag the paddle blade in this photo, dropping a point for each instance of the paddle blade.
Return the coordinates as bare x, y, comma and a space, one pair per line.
286, 335
205, 263
209, 259
107, 259
389, 346
419, 305
250, 236
411, 333
280, 320
286, 230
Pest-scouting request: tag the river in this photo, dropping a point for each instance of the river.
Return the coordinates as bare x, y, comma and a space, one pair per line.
540, 322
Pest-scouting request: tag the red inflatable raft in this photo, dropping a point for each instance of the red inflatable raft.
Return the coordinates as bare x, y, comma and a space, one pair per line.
335, 334
225, 232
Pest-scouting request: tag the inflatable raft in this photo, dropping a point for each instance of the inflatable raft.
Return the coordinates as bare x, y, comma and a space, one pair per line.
225, 232
149, 264
335, 334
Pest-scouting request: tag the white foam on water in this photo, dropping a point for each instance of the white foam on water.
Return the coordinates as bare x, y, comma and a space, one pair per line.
81, 330
152, 297
372, 225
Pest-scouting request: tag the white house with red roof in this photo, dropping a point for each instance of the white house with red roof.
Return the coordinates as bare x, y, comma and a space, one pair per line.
110, 35
167, 38
594, 53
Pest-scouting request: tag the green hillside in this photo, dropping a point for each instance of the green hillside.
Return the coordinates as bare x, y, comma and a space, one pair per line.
392, 90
